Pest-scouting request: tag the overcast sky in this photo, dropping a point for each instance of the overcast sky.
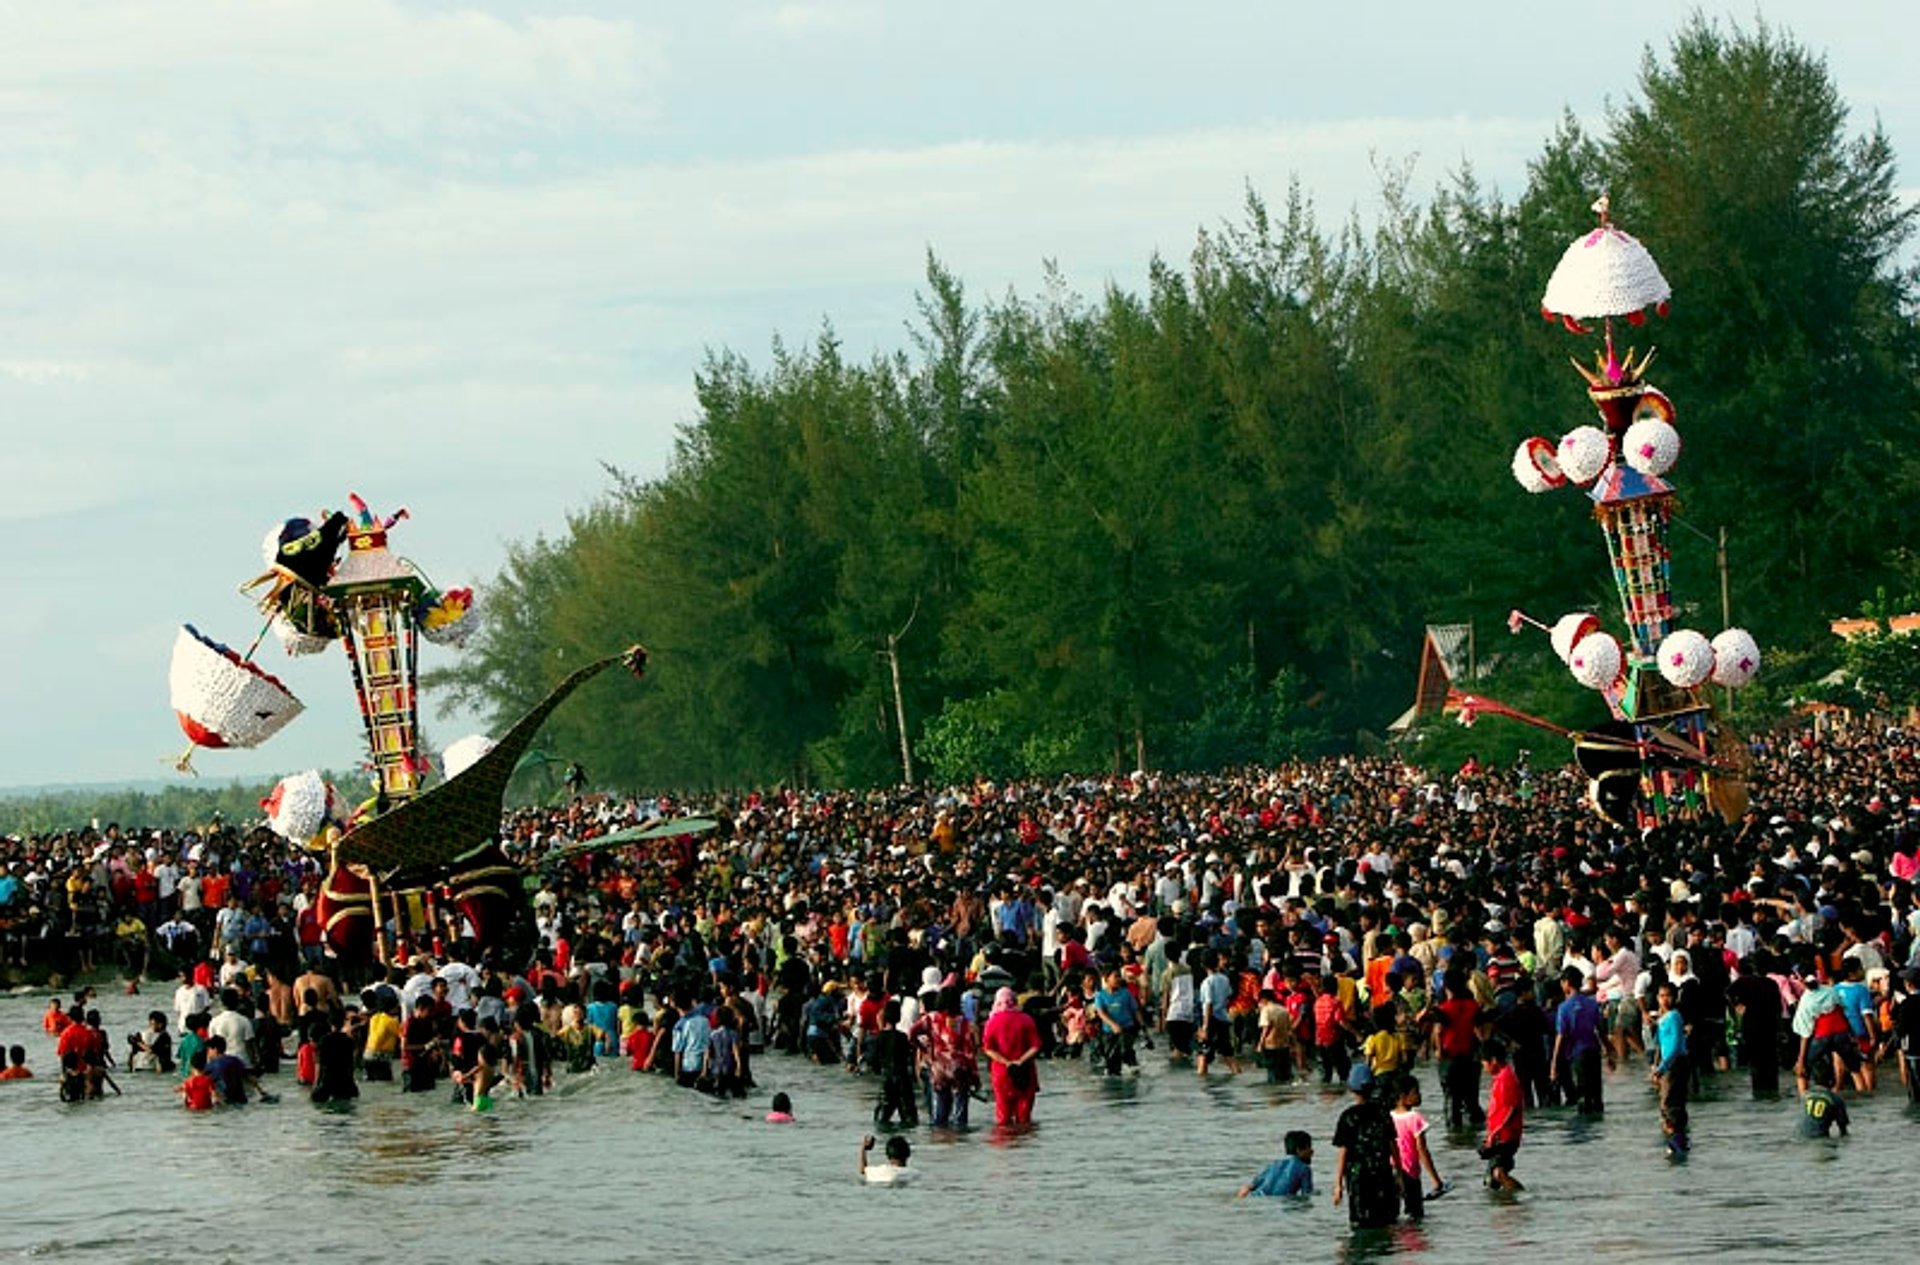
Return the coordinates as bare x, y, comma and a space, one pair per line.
255, 254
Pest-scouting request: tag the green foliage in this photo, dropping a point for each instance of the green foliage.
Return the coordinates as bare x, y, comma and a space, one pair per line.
182, 806
1882, 670
1146, 527
971, 737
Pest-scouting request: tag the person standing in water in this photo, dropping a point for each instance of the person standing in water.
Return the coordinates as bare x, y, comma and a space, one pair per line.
1671, 1070
333, 1062
1011, 1042
1366, 1169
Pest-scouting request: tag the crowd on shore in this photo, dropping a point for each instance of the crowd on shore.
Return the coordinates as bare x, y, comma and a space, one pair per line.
1343, 920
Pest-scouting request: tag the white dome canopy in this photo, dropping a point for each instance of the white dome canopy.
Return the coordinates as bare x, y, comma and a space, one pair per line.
1605, 272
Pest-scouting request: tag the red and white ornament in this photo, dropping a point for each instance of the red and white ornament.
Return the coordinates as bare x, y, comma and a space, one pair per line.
1651, 446
1686, 658
1568, 631
1595, 661
1736, 658
1535, 467
1583, 454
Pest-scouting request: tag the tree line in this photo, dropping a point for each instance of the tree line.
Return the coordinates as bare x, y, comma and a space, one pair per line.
1204, 521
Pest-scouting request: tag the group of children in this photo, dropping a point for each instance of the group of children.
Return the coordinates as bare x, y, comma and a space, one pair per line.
1382, 1148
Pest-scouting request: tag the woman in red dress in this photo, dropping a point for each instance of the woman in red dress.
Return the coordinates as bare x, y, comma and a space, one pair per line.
1011, 1042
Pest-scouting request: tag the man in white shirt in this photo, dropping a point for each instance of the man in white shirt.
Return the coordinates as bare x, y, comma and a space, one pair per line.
418, 985
188, 999
463, 984
234, 1026
167, 875
189, 889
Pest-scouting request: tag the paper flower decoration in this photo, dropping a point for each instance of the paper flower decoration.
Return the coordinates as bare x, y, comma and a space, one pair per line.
1686, 658
1606, 272
300, 805
1583, 454
1653, 403
1595, 661
449, 618
222, 701
295, 642
1736, 658
464, 754
1651, 446
1568, 631
1535, 466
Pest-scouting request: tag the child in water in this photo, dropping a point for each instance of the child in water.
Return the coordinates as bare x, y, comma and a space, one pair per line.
782, 1112
895, 1170
1291, 1174
196, 1091
1410, 1134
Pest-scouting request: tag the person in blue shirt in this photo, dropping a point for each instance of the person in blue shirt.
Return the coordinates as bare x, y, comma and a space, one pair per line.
1857, 1000
1291, 1174
1216, 1027
1670, 1070
1117, 1012
1576, 1042
691, 1036
604, 1017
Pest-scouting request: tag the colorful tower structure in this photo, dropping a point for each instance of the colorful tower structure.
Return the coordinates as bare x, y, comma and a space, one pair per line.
374, 594
1658, 761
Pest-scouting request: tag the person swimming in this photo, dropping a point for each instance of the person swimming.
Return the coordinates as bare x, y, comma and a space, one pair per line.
895, 1170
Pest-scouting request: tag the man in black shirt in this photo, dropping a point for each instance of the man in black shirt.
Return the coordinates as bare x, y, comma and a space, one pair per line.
1756, 999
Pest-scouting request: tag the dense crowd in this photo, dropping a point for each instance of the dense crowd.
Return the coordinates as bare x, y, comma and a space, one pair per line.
1344, 919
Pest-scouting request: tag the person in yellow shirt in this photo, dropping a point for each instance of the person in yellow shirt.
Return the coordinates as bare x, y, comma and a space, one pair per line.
383, 1043
1385, 1050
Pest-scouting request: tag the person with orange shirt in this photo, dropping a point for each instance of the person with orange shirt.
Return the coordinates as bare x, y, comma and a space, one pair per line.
16, 1068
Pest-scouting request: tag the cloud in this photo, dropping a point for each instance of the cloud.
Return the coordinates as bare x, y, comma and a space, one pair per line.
215, 81
823, 17
254, 255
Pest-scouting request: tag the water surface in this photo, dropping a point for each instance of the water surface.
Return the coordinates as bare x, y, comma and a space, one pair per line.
618, 1166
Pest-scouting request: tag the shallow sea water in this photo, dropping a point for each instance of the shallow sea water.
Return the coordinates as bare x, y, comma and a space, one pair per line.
618, 1166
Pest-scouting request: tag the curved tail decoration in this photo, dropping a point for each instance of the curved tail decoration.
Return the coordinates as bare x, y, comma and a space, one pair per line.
459, 815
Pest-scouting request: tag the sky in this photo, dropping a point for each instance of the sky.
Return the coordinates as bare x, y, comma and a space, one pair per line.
256, 254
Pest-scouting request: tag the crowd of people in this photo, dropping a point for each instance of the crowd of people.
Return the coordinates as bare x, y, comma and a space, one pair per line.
1344, 920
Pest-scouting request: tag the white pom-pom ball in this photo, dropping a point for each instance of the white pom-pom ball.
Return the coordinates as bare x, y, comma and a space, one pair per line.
1595, 661
1535, 467
1686, 658
1736, 658
1569, 629
297, 807
1583, 453
464, 754
1651, 446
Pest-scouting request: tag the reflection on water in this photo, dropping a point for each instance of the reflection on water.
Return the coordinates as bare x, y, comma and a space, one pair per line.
617, 1165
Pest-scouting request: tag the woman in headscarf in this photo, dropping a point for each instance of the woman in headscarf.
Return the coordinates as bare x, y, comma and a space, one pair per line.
1011, 1041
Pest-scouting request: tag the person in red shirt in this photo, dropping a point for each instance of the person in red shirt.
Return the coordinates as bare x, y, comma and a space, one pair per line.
1458, 1018
1505, 1118
55, 1021
196, 1091
1330, 1032
639, 1046
75, 1036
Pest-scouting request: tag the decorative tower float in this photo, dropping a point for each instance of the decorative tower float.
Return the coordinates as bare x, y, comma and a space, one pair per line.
420, 843
1665, 756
